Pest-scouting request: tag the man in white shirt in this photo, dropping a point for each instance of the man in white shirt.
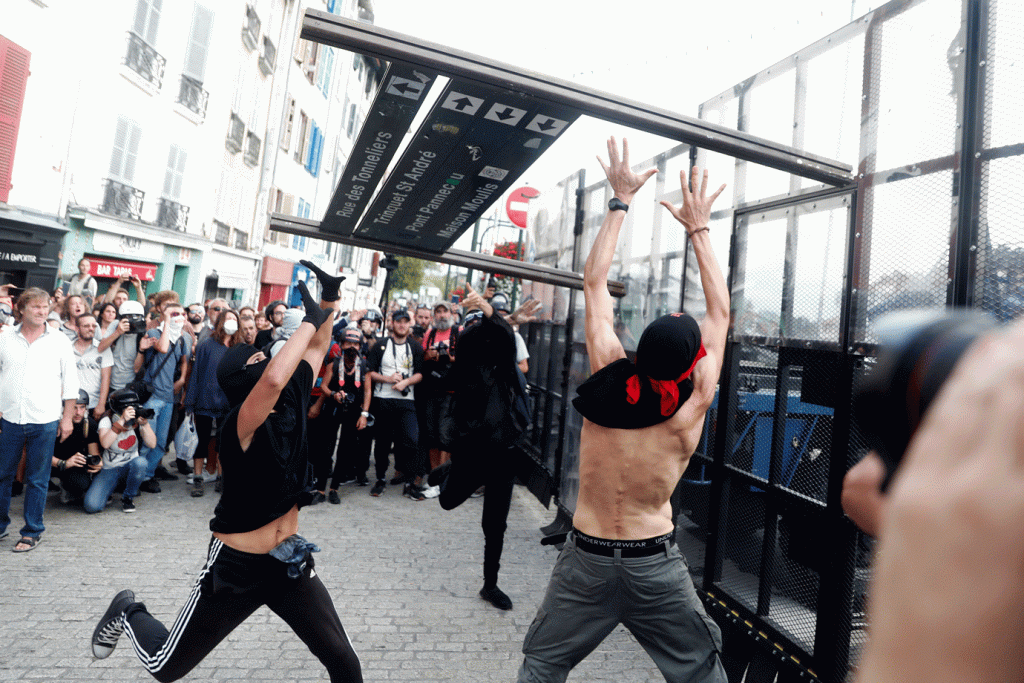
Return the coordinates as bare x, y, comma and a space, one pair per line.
37, 375
94, 366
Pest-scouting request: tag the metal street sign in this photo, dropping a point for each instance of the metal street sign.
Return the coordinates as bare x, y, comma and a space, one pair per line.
391, 113
474, 143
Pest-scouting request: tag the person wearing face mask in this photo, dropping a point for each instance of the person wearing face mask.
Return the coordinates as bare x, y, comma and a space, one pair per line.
205, 399
162, 351
216, 307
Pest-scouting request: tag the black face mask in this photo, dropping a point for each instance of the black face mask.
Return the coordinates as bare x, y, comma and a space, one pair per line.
351, 353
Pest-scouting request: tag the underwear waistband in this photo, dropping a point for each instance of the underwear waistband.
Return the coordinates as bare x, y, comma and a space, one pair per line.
607, 547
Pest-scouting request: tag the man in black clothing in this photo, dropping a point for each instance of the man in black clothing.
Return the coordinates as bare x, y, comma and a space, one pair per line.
70, 457
255, 556
347, 393
485, 382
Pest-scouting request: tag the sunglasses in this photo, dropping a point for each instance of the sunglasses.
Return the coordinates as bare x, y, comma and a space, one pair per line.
217, 308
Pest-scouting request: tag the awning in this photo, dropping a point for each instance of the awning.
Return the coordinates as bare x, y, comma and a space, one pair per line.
233, 280
101, 267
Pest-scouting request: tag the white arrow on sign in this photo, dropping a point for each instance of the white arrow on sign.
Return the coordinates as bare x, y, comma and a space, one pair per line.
502, 113
546, 125
405, 87
462, 103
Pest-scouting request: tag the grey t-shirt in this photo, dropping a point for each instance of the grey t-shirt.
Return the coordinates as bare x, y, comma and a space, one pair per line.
123, 350
163, 383
90, 370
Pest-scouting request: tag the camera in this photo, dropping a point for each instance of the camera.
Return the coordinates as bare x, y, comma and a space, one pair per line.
405, 392
136, 323
442, 351
93, 460
123, 399
918, 350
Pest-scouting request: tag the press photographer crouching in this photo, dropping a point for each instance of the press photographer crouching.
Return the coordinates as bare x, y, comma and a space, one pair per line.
948, 579
121, 428
77, 458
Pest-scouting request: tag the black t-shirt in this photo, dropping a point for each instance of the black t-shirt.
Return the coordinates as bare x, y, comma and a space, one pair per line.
264, 337
352, 384
82, 434
266, 481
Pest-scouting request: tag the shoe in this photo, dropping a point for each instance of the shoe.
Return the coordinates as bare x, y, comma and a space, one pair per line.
111, 626
197, 487
150, 486
333, 497
479, 492
431, 491
318, 498
496, 597
411, 490
399, 478
163, 475
218, 486
350, 479
127, 505
362, 480
65, 496
183, 466
378, 488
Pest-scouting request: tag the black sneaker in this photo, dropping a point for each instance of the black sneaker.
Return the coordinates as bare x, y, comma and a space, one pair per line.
197, 487
333, 497
362, 480
318, 498
218, 486
150, 486
412, 491
163, 475
183, 466
496, 597
127, 504
378, 488
399, 478
111, 626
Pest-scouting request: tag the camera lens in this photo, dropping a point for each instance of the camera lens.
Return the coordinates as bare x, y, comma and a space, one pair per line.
919, 349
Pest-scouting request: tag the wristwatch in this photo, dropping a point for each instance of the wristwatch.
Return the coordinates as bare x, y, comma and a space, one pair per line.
616, 204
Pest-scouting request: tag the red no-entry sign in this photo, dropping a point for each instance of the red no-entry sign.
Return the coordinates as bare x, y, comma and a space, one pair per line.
519, 203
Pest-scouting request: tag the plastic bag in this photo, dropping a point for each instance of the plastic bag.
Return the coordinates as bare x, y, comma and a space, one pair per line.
185, 439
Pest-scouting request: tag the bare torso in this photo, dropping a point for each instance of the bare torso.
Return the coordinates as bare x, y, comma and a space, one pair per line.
628, 475
261, 541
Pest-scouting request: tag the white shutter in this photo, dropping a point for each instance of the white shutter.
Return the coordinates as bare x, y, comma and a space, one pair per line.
147, 20
175, 173
125, 150
198, 43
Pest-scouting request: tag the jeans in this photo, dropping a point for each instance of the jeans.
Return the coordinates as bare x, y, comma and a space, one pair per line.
104, 482
161, 423
38, 439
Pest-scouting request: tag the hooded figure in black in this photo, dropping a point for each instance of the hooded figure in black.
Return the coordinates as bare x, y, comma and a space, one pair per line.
481, 428
256, 556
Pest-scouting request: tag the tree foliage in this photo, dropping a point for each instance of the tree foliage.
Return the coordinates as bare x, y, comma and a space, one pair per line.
409, 274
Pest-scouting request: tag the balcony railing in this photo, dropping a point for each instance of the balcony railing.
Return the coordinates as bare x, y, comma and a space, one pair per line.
222, 234
268, 56
252, 149
144, 60
236, 134
251, 28
171, 214
241, 240
122, 200
192, 96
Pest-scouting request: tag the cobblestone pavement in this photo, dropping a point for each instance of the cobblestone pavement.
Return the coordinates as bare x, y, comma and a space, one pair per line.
404, 576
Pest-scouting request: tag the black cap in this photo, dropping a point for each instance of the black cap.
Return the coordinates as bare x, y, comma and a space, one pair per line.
401, 313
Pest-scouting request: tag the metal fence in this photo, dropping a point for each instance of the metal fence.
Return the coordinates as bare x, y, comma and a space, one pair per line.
921, 97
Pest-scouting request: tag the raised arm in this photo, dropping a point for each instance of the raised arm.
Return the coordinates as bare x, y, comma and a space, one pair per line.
694, 214
603, 347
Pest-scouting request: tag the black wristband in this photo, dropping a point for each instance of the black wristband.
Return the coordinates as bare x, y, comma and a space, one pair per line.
616, 204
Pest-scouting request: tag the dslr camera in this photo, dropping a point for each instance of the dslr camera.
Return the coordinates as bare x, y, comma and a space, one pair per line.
442, 351
122, 399
93, 460
918, 350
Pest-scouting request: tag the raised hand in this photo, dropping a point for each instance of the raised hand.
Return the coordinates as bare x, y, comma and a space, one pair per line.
625, 183
695, 213
329, 284
527, 312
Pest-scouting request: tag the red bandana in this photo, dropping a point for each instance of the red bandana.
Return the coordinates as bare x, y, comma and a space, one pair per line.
668, 389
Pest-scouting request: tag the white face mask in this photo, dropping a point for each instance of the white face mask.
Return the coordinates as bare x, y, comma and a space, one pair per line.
231, 326
177, 324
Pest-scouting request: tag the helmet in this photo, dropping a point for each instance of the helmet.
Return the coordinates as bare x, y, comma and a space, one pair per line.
131, 308
121, 399
500, 303
372, 316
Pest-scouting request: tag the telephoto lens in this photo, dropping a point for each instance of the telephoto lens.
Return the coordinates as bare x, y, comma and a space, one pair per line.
918, 351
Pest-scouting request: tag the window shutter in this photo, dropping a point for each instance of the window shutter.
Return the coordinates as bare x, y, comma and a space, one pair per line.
288, 205
175, 173
325, 72
147, 20
198, 43
125, 150
14, 73
286, 132
132, 152
319, 154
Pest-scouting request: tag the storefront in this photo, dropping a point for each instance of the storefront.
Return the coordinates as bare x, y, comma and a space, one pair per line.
230, 274
275, 280
30, 246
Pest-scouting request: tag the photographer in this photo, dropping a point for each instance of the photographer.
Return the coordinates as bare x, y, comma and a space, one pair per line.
394, 369
123, 342
438, 355
77, 458
348, 398
120, 431
948, 581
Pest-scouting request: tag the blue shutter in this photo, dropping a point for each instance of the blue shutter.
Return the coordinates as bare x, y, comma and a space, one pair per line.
314, 136
328, 67
319, 155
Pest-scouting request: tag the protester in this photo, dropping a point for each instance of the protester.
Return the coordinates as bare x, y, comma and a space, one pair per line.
74, 306
213, 311
204, 397
641, 425
348, 395
247, 329
106, 319
37, 376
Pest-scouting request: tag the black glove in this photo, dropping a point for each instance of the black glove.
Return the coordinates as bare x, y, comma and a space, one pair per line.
314, 314
329, 284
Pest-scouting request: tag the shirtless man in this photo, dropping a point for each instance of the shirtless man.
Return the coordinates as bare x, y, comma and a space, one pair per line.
256, 556
642, 424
